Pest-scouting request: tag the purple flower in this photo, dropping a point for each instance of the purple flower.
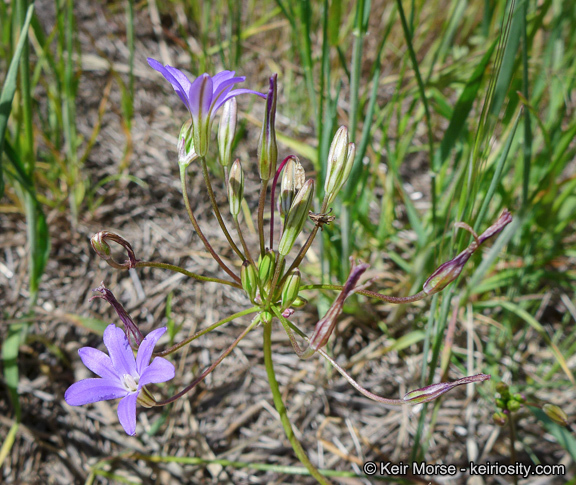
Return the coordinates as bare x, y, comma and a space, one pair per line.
122, 375
203, 97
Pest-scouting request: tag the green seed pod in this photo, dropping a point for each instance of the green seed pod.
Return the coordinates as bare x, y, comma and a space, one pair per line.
503, 389
297, 216
519, 397
235, 187
556, 414
266, 268
500, 403
267, 317
290, 288
227, 131
500, 419
249, 280
513, 406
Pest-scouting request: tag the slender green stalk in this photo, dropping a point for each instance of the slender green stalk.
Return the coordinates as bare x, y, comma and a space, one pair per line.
527, 127
243, 242
300, 256
372, 294
279, 404
207, 245
219, 323
178, 269
217, 210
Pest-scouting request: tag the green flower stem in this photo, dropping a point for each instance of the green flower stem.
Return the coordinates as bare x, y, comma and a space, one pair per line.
217, 210
178, 269
194, 222
186, 341
202, 376
243, 242
371, 294
279, 404
303, 250
261, 203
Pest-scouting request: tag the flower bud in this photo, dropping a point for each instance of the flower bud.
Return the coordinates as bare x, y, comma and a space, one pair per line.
429, 393
501, 403
267, 148
291, 288
449, 271
556, 414
519, 397
502, 389
293, 178
235, 187
500, 419
227, 131
100, 245
266, 267
340, 161
249, 280
326, 324
186, 152
297, 216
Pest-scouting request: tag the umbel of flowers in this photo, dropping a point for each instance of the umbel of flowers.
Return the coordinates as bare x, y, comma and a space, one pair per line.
268, 273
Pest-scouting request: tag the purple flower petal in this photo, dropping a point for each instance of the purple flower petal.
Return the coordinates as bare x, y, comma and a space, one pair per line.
99, 363
127, 413
146, 348
221, 77
154, 64
233, 94
120, 351
92, 390
198, 94
160, 370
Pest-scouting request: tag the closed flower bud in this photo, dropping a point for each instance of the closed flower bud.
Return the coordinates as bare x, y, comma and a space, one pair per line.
502, 389
500, 419
291, 288
268, 148
100, 245
519, 397
340, 161
299, 302
227, 131
249, 280
429, 393
235, 187
297, 216
501, 403
293, 178
556, 414
186, 152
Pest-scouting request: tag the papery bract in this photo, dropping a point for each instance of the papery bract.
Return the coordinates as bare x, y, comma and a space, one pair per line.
121, 375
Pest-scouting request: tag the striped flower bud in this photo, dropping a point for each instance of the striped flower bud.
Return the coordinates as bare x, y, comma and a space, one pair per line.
227, 131
268, 148
100, 245
186, 152
235, 188
296, 217
340, 161
293, 178
429, 393
249, 280
291, 288
556, 414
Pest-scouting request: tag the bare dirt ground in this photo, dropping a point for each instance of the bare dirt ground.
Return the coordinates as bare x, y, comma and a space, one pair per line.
230, 415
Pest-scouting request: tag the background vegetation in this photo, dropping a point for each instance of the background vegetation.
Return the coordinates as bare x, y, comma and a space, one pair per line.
458, 109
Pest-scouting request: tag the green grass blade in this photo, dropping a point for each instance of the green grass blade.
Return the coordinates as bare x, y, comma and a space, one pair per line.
9, 87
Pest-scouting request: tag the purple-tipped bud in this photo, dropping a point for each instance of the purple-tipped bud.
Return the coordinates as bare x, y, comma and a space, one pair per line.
227, 131
186, 153
326, 324
429, 393
450, 270
500, 419
130, 328
556, 414
235, 188
100, 245
268, 148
